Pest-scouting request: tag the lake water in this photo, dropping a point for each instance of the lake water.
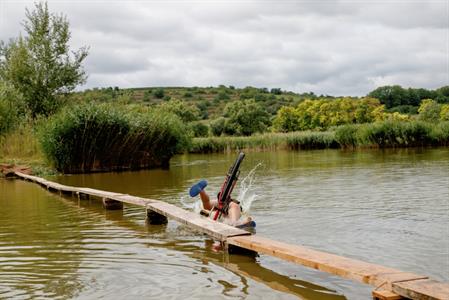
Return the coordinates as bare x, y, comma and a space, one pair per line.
386, 207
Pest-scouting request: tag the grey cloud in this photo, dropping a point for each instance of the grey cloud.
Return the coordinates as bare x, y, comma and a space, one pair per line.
329, 47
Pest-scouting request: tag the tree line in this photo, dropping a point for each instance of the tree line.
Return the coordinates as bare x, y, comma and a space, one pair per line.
39, 72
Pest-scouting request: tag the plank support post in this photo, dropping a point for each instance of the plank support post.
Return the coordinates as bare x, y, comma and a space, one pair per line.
155, 218
233, 249
82, 196
385, 295
112, 204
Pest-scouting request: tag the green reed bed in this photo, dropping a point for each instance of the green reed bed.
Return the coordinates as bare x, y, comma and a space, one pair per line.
100, 137
390, 134
380, 134
268, 141
308, 140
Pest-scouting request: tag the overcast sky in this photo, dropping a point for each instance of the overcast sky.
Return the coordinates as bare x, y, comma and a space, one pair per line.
328, 47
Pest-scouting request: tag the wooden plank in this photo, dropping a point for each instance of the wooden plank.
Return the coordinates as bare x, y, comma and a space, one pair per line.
344, 267
385, 295
422, 289
215, 229
133, 200
98, 193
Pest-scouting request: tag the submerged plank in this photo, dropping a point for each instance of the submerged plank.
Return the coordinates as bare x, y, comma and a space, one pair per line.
215, 229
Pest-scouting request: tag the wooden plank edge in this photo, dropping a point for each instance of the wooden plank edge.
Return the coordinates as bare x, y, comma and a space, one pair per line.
428, 289
360, 271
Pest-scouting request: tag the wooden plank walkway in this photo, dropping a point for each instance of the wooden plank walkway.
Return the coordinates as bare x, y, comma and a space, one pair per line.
394, 282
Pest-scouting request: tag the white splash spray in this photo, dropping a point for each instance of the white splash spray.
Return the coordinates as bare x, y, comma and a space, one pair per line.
246, 195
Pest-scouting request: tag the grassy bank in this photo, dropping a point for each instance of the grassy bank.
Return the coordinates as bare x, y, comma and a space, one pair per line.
98, 138
379, 134
21, 147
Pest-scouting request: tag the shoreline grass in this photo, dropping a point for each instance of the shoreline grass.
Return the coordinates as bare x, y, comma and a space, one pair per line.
387, 134
21, 146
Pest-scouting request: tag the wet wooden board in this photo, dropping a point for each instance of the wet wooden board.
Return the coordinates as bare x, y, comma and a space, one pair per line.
215, 229
422, 289
401, 283
205, 225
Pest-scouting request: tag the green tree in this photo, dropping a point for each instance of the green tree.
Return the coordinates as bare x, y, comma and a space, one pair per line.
246, 117
10, 107
217, 126
199, 129
286, 119
41, 65
391, 95
186, 112
442, 94
159, 93
429, 110
444, 114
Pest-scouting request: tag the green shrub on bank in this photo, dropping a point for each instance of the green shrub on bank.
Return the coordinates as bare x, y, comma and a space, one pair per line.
312, 140
346, 135
380, 134
100, 137
199, 129
440, 134
12, 108
396, 134
268, 141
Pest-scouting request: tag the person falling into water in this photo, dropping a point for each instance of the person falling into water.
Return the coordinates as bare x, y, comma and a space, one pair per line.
232, 217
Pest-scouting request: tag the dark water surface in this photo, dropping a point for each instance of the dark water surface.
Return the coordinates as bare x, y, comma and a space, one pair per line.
385, 207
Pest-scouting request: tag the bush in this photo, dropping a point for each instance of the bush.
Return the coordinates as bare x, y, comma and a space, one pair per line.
159, 93
199, 129
312, 140
404, 109
324, 113
346, 135
397, 134
286, 120
11, 107
276, 91
217, 126
440, 134
429, 110
222, 95
444, 114
93, 137
246, 118
186, 112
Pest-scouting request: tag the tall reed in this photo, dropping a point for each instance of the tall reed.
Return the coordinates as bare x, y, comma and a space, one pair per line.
379, 134
101, 137
267, 141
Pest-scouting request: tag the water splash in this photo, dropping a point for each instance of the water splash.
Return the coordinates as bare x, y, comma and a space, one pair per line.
195, 206
246, 195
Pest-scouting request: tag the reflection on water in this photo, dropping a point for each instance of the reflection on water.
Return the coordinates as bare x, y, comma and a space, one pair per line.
387, 207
